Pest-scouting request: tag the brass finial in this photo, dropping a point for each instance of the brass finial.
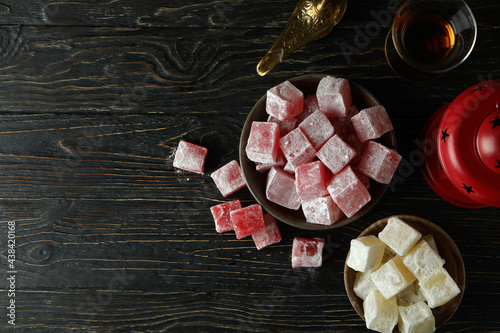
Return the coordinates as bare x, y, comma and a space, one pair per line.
310, 20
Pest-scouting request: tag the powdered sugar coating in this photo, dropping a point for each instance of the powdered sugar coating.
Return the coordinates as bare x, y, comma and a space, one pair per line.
221, 215
284, 101
190, 157
336, 154
262, 145
229, 178
322, 210
334, 96
280, 189
270, 235
379, 162
307, 252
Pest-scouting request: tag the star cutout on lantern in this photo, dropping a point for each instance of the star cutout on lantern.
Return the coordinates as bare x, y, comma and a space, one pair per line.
478, 88
496, 121
468, 188
444, 135
498, 166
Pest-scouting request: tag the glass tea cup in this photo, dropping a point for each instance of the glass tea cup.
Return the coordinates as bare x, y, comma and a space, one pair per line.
430, 37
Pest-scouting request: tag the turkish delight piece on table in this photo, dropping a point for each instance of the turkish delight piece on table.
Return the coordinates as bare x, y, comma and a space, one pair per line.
310, 106
280, 188
318, 128
284, 101
190, 157
416, 318
297, 148
307, 252
365, 253
263, 142
229, 178
247, 220
348, 192
399, 235
334, 96
336, 154
310, 180
380, 314
372, 123
270, 235
392, 277
222, 217
379, 162
321, 210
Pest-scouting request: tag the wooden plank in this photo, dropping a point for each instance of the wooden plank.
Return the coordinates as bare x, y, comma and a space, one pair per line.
124, 70
201, 13
280, 310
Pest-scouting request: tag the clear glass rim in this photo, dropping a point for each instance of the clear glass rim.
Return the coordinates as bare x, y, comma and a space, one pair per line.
415, 64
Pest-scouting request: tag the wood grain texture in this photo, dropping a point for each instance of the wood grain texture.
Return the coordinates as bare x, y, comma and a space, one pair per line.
110, 237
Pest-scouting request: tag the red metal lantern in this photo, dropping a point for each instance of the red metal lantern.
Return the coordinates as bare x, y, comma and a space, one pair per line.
462, 161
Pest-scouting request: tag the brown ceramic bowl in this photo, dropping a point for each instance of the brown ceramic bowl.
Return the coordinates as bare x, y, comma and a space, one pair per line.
447, 250
256, 181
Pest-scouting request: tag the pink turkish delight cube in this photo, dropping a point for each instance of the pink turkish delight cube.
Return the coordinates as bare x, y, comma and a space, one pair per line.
362, 177
190, 157
334, 96
270, 235
289, 168
353, 141
348, 191
322, 210
297, 148
280, 162
307, 252
229, 178
310, 106
286, 126
310, 180
284, 101
379, 162
317, 128
221, 215
247, 220
263, 142
372, 123
336, 154
280, 189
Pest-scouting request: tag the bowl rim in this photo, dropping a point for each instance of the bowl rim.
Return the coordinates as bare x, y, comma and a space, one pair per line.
412, 220
271, 208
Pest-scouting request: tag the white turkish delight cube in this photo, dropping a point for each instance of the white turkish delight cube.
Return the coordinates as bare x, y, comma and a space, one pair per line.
399, 236
416, 318
392, 277
381, 314
366, 253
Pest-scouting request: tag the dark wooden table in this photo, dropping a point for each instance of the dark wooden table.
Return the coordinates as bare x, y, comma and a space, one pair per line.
110, 237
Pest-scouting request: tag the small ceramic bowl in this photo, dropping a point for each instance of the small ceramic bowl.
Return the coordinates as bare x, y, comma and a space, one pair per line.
256, 181
447, 250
